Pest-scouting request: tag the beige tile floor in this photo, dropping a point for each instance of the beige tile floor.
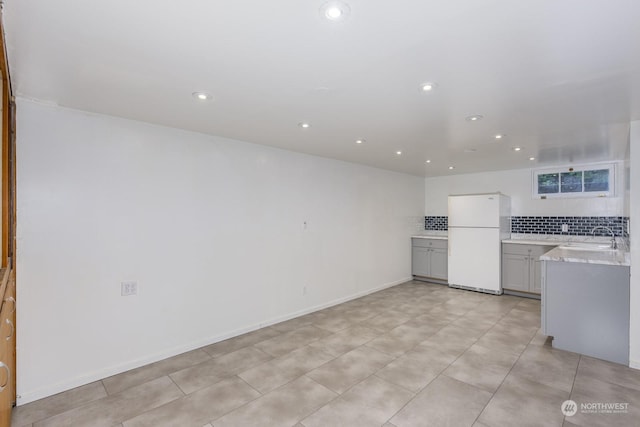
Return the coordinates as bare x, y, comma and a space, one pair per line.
417, 354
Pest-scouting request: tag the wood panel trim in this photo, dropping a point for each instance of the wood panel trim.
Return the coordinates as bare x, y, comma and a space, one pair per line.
5, 275
8, 218
7, 124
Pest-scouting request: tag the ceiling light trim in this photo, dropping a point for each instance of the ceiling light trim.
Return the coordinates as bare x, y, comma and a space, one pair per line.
428, 86
335, 11
202, 96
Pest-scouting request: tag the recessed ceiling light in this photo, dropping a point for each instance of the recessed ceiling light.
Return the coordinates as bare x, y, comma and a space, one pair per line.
451, 168
335, 11
428, 161
473, 118
399, 153
532, 158
517, 148
304, 125
499, 136
359, 141
202, 96
428, 87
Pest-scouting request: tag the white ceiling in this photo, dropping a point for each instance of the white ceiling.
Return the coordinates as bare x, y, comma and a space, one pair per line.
560, 78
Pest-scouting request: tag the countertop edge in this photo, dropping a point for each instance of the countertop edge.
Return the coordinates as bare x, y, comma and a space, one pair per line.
533, 242
621, 259
431, 237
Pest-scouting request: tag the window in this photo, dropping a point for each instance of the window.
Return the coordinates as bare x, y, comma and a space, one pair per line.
578, 181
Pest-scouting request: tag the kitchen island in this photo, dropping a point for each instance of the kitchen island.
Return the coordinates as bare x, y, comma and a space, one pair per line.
585, 301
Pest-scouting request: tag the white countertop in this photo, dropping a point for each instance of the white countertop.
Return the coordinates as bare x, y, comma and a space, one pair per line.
431, 236
524, 239
533, 242
617, 257
554, 239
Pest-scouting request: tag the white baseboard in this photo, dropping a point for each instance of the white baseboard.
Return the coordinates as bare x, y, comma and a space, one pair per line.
49, 390
635, 364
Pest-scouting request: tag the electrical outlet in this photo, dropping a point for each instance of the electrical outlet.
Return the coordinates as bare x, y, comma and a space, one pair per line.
128, 288
565, 228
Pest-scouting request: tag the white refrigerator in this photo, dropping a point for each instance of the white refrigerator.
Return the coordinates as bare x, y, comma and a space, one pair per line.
477, 225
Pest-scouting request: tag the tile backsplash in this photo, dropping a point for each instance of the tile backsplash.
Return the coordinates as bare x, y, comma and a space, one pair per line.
577, 225
436, 223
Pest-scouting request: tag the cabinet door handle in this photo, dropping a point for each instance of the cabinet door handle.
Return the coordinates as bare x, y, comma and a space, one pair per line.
13, 329
3, 386
13, 300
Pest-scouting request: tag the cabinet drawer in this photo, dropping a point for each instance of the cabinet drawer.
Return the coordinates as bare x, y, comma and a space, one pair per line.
429, 243
516, 249
531, 250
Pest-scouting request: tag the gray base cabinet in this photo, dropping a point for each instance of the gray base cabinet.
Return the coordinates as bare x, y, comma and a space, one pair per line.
521, 268
439, 263
585, 308
429, 258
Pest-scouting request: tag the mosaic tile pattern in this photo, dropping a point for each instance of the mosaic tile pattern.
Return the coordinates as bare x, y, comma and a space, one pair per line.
578, 225
437, 223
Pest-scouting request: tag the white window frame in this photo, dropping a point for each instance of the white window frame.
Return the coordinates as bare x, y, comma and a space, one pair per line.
593, 166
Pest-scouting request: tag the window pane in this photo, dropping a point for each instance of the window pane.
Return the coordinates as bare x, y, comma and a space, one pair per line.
548, 183
596, 180
571, 182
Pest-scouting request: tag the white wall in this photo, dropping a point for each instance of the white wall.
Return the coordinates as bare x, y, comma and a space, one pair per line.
634, 219
517, 185
627, 179
210, 228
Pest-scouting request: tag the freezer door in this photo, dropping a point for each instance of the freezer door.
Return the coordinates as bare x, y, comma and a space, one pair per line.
474, 258
478, 210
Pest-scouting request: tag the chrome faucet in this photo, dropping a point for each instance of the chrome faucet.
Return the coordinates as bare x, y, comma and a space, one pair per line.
614, 244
